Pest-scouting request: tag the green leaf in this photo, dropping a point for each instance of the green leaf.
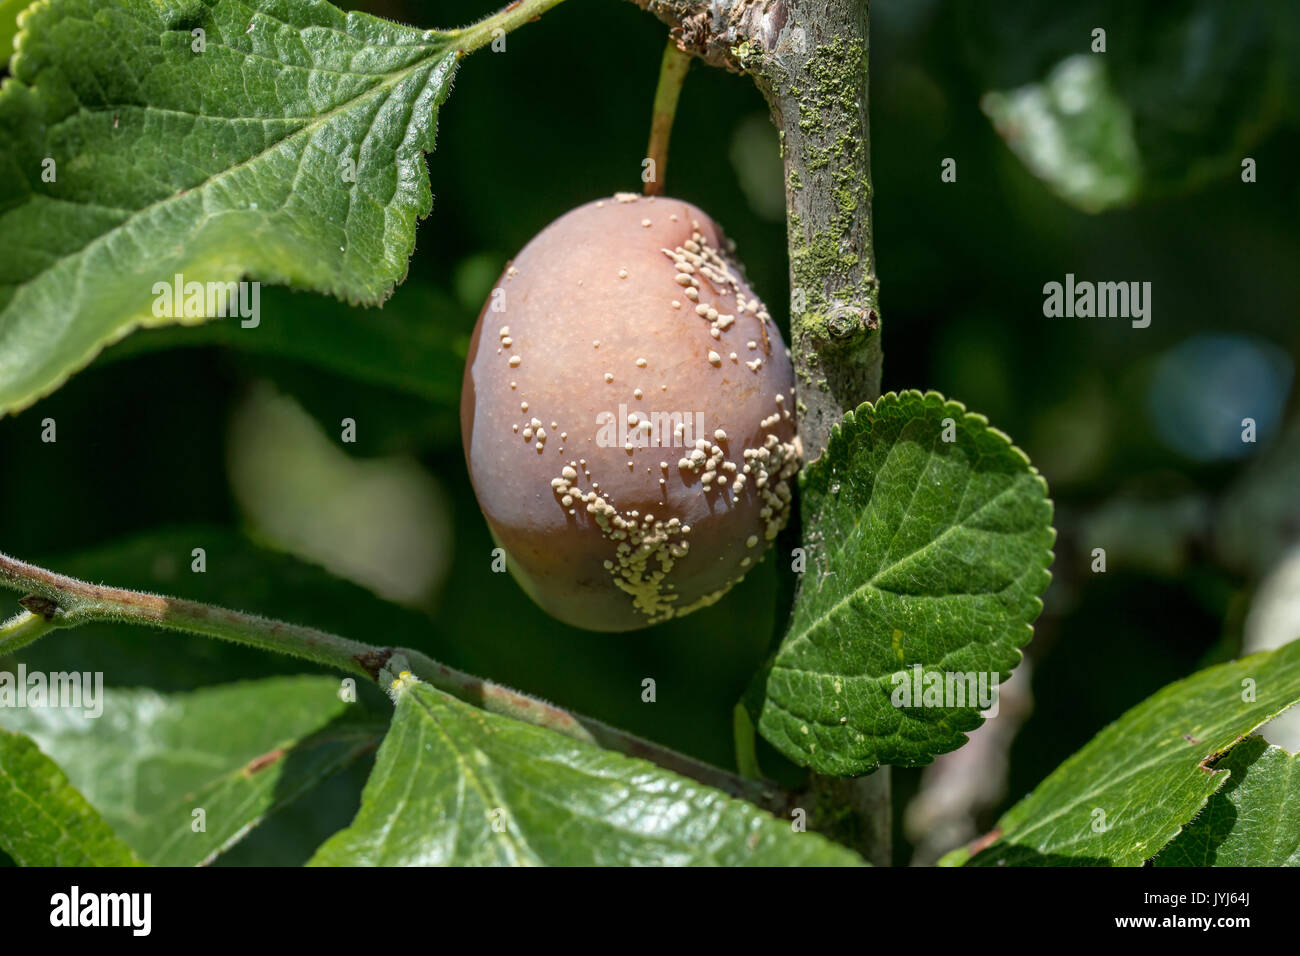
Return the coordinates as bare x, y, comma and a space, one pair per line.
213, 165
1131, 789
9, 11
456, 785
238, 752
290, 837
1074, 132
1253, 821
922, 553
415, 345
44, 821
1182, 93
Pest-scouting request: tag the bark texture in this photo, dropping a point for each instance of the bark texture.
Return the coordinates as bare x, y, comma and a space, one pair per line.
809, 58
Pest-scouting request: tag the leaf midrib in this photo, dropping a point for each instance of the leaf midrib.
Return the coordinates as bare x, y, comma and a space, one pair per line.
837, 607
1130, 772
486, 790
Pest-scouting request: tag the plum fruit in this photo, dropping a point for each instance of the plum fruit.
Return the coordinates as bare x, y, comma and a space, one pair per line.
628, 415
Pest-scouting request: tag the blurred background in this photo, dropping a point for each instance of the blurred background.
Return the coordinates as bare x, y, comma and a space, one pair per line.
1125, 165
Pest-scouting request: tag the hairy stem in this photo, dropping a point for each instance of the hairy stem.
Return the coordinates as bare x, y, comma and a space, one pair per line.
56, 601
21, 629
69, 602
672, 73
511, 17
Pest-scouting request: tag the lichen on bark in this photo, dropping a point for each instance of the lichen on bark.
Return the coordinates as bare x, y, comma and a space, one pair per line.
813, 72
809, 59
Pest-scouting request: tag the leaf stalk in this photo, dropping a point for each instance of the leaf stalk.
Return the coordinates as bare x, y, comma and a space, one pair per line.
508, 18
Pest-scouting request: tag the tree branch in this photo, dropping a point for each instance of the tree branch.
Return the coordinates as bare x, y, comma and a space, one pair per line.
809, 59
711, 29
56, 601
813, 72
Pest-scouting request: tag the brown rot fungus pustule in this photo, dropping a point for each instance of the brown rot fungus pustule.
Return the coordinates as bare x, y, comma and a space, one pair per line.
628, 415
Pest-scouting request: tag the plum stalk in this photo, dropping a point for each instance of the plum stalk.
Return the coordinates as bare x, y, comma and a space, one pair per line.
672, 73
513, 15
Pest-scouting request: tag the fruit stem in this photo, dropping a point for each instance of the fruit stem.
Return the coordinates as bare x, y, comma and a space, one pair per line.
746, 743
672, 73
